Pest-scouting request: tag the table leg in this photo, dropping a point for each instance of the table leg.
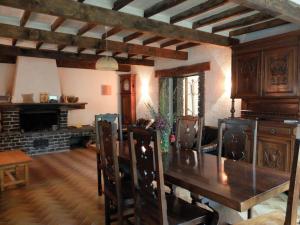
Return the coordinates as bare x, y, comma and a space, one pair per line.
1, 180
249, 213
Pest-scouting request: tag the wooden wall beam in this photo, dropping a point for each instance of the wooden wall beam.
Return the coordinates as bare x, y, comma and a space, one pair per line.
31, 34
236, 11
50, 54
183, 71
102, 16
258, 27
198, 9
285, 10
161, 6
119, 4
258, 17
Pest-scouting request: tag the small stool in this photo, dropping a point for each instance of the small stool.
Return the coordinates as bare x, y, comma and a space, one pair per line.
11, 162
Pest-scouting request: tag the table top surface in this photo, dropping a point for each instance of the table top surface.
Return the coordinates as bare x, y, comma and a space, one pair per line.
235, 184
13, 157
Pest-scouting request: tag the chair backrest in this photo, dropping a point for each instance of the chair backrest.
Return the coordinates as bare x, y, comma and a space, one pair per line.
109, 159
293, 199
147, 173
232, 138
189, 132
113, 118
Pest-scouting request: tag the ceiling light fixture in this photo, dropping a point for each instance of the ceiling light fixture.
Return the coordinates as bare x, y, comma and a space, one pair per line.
107, 63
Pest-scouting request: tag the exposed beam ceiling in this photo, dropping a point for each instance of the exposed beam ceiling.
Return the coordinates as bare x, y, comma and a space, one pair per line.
86, 28
196, 10
283, 9
169, 43
258, 27
118, 4
161, 6
93, 14
61, 39
186, 45
238, 10
50, 54
23, 21
111, 32
258, 17
132, 36
152, 40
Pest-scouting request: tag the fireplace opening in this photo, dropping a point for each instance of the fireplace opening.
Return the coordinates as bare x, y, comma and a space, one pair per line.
38, 120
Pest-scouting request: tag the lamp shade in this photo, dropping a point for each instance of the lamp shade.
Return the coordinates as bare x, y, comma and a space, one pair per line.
107, 63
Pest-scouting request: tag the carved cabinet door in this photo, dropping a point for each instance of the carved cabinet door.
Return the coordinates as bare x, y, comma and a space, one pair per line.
280, 72
274, 153
246, 76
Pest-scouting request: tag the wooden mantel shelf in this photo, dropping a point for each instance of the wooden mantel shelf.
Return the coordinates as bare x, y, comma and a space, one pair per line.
68, 106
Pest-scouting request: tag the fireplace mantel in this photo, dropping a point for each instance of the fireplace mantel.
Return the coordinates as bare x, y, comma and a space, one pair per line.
66, 106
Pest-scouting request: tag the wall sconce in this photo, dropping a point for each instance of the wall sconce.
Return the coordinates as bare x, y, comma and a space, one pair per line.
106, 89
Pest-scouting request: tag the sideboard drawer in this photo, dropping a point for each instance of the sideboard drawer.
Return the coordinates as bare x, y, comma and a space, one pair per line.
275, 131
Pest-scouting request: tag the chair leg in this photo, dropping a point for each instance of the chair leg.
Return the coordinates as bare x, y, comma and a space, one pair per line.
107, 210
99, 173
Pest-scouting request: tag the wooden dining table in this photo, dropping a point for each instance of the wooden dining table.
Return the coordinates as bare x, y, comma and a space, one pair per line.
235, 184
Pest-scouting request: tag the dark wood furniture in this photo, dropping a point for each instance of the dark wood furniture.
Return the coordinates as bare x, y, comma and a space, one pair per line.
128, 99
11, 162
265, 75
189, 132
219, 179
152, 205
117, 193
112, 118
290, 217
237, 139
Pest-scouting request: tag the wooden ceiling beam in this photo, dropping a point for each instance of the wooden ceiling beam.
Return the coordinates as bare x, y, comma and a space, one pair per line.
86, 28
119, 4
183, 71
258, 27
67, 63
258, 17
102, 16
57, 23
186, 45
196, 10
111, 32
81, 1
170, 42
10, 31
25, 18
50, 54
236, 11
285, 10
161, 6
152, 40
132, 36
39, 45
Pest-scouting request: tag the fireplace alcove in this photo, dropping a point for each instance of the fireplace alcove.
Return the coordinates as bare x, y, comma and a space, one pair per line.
29, 126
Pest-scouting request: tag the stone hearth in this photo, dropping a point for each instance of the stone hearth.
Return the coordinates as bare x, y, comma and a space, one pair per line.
13, 135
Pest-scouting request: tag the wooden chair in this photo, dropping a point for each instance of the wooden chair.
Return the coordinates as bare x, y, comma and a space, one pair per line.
278, 218
152, 205
117, 193
189, 132
113, 118
232, 140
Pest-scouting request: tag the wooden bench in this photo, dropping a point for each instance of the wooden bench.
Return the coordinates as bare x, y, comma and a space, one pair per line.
11, 162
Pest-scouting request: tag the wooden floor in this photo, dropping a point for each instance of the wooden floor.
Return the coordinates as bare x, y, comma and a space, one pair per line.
62, 191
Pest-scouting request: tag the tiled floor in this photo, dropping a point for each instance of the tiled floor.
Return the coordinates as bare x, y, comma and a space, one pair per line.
63, 191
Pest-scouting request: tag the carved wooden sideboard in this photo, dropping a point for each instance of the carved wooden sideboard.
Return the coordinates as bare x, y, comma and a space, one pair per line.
265, 75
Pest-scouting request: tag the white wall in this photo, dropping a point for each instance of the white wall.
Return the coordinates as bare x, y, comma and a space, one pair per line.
86, 84
33, 76
7, 73
217, 80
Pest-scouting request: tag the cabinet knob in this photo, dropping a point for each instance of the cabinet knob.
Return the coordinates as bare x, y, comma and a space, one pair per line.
273, 131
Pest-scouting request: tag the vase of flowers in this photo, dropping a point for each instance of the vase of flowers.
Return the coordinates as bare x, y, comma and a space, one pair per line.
163, 125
